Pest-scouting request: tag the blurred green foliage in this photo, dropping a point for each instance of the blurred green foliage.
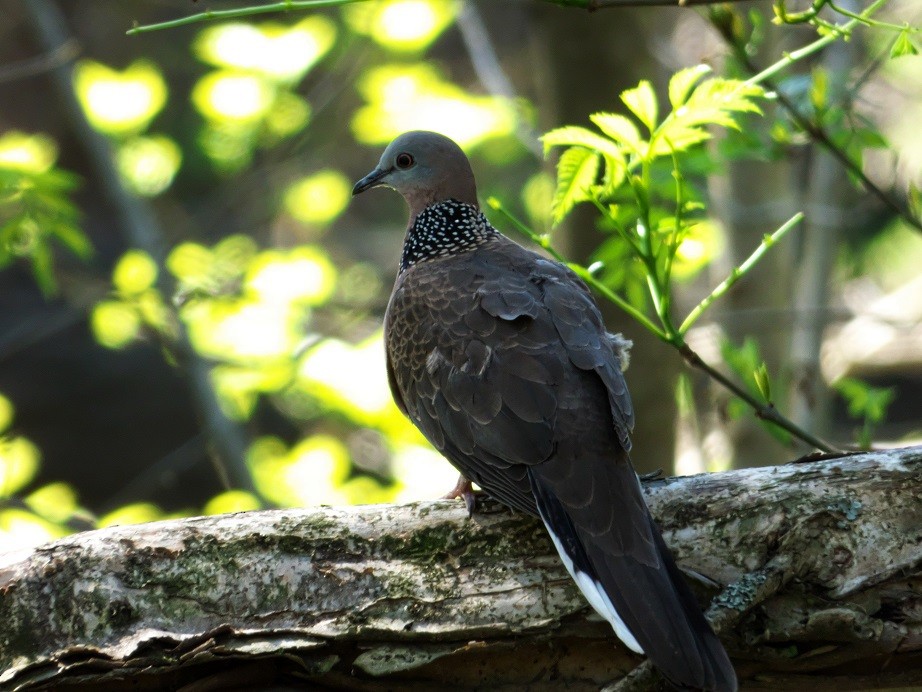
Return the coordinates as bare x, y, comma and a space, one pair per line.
36, 210
867, 404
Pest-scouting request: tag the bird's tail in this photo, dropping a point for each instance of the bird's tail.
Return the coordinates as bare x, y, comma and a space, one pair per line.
651, 608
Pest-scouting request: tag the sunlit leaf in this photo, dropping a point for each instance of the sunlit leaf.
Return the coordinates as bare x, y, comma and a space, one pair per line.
641, 100
289, 114
701, 242
576, 173
763, 383
903, 45
240, 329
819, 89
190, 262
682, 83
712, 102
572, 135
620, 129
239, 387
421, 472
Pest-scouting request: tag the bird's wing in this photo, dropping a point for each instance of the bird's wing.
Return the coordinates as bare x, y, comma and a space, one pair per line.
525, 342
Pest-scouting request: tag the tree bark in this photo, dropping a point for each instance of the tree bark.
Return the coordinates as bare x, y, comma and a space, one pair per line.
820, 564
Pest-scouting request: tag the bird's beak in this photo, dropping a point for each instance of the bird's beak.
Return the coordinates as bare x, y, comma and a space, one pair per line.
373, 179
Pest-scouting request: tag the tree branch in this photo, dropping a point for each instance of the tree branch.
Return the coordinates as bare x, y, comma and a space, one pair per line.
824, 560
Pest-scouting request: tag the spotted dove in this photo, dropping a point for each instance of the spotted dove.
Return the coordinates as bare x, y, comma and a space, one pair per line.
499, 356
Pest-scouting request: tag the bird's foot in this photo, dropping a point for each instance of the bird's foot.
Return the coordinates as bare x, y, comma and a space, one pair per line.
463, 489
652, 476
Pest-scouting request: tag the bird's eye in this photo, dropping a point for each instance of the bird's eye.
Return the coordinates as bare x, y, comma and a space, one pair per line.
404, 160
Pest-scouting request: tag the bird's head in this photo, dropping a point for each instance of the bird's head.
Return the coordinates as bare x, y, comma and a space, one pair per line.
424, 167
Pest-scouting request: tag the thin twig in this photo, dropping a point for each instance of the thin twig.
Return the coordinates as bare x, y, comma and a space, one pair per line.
762, 410
239, 12
738, 272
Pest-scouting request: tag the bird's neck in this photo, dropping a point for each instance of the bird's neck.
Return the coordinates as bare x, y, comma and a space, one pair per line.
445, 228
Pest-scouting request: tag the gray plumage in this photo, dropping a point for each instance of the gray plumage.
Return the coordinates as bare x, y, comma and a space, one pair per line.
500, 357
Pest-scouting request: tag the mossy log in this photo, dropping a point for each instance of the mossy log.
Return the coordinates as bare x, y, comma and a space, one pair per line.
818, 567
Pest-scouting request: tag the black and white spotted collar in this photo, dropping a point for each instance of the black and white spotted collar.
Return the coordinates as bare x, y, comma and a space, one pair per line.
445, 228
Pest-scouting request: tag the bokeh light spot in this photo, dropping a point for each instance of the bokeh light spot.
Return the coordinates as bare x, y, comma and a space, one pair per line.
283, 53
149, 164
355, 375
137, 513
56, 502
19, 461
115, 324
28, 153
701, 244
302, 275
232, 501
415, 97
230, 95
318, 198
407, 25
120, 103
6, 413
135, 272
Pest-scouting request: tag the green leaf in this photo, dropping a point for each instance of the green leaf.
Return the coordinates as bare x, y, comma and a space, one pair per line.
819, 89
576, 173
683, 82
641, 195
763, 384
73, 239
915, 200
675, 138
903, 45
573, 136
641, 100
43, 269
620, 129
713, 102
